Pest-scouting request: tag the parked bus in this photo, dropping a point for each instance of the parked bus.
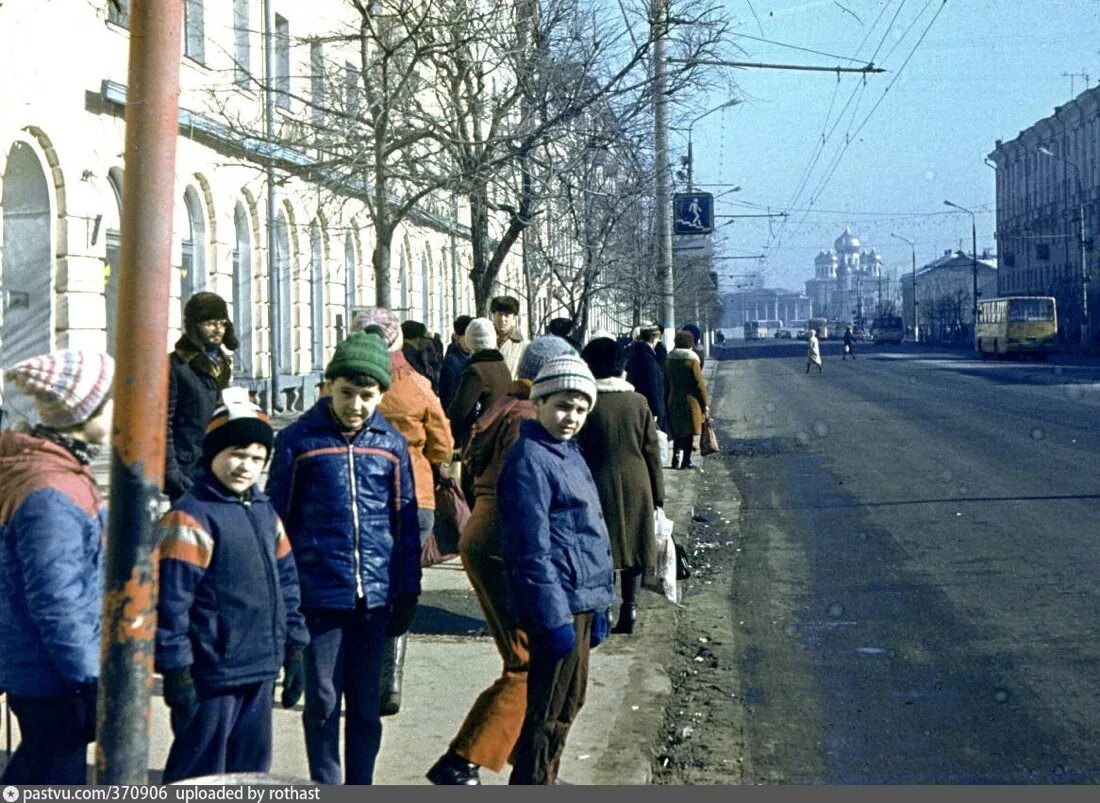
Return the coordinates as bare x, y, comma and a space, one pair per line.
819, 325
754, 330
888, 329
1016, 325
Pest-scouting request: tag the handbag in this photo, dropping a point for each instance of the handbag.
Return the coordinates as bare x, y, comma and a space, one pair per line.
661, 577
708, 440
451, 515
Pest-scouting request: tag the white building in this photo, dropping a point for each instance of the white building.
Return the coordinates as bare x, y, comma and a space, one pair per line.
945, 296
848, 281
61, 167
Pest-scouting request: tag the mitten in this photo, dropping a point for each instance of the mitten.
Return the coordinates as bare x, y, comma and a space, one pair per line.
601, 628
559, 642
84, 709
401, 616
180, 694
294, 677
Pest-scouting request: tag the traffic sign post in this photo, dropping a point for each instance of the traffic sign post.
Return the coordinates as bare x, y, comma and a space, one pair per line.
692, 213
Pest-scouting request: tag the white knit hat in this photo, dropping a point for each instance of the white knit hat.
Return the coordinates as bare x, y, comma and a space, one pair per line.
67, 386
480, 335
565, 373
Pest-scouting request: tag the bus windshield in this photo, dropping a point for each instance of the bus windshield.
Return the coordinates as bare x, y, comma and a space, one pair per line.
1030, 309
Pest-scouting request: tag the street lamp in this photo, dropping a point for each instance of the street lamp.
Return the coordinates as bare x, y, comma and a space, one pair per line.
1085, 338
690, 126
974, 254
913, 250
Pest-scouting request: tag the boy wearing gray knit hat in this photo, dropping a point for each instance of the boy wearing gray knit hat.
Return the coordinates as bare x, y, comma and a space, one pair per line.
563, 613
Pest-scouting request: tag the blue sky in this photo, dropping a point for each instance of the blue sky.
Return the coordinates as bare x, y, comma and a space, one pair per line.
985, 70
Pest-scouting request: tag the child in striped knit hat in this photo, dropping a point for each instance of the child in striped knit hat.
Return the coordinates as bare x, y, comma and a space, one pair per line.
563, 612
52, 522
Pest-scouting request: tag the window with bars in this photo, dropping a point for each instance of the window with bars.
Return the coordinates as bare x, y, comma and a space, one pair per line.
282, 62
242, 44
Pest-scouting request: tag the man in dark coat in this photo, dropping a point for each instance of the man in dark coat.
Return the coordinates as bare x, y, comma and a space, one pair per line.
454, 361
643, 371
199, 369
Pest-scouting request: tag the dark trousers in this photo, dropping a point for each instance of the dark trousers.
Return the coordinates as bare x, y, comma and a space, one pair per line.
630, 582
344, 661
685, 445
230, 731
555, 695
51, 749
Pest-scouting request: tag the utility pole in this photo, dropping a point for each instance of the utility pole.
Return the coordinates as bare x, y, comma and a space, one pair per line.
913, 251
662, 202
140, 391
274, 342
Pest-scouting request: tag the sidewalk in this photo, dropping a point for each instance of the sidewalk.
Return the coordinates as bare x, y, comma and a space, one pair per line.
450, 661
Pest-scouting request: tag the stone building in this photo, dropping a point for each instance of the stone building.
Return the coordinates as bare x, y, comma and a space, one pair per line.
1048, 180
65, 67
848, 281
945, 296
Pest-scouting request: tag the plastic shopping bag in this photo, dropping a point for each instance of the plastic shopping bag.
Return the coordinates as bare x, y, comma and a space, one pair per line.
662, 577
665, 447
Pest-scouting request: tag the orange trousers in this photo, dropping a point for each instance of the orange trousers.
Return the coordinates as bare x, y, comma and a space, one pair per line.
491, 728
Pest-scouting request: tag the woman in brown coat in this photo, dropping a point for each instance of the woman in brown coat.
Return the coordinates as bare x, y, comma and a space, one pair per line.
619, 443
687, 398
489, 732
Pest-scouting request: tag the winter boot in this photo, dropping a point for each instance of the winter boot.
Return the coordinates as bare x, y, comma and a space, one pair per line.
628, 615
393, 672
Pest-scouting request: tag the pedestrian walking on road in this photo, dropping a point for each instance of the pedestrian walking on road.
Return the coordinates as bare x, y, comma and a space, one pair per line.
688, 398
813, 351
488, 735
412, 407
228, 614
849, 344
565, 613
52, 522
342, 480
199, 368
619, 443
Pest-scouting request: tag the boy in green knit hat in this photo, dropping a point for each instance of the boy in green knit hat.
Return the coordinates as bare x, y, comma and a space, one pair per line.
342, 482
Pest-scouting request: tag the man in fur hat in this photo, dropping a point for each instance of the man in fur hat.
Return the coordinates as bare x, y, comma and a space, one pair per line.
200, 368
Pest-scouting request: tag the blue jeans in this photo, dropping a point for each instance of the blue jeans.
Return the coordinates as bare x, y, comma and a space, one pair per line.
51, 749
230, 731
344, 661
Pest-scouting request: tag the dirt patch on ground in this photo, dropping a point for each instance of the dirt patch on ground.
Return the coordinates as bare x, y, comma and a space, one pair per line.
702, 737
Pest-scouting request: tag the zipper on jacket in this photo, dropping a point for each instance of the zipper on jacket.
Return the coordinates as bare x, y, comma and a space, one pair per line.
272, 567
355, 520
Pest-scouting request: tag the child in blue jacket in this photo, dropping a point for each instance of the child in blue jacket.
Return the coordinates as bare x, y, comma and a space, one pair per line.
342, 480
557, 558
228, 614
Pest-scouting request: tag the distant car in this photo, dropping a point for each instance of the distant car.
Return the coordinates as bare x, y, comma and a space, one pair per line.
783, 334
801, 334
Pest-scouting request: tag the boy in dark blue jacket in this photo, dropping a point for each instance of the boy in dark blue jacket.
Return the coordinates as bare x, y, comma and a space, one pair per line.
228, 615
557, 559
342, 480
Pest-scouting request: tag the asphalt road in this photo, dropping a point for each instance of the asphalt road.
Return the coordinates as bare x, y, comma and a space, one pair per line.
917, 596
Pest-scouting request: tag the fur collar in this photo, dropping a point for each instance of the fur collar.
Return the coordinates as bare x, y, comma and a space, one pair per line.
683, 354
613, 384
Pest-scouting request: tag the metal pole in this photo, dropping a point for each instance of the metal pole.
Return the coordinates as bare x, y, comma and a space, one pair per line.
1086, 334
974, 254
916, 325
140, 392
275, 349
660, 139
691, 164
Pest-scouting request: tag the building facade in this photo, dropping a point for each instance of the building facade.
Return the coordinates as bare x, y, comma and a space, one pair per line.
62, 130
848, 281
945, 296
1048, 188
761, 304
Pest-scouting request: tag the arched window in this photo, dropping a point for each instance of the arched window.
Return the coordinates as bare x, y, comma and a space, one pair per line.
193, 249
316, 297
242, 290
403, 284
112, 255
351, 279
282, 300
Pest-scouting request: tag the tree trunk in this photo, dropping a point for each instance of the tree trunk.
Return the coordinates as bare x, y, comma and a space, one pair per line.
480, 275
383, 240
